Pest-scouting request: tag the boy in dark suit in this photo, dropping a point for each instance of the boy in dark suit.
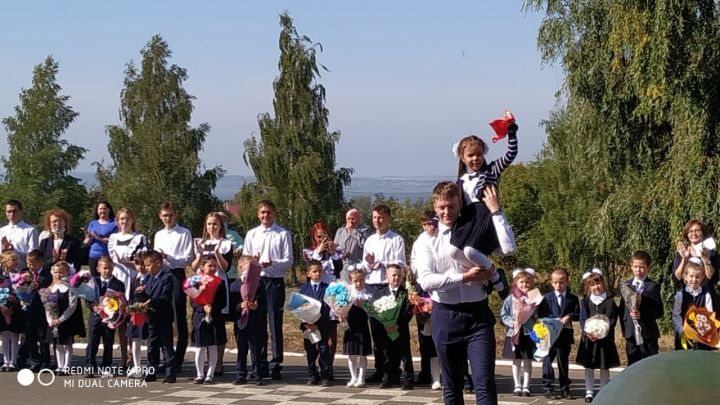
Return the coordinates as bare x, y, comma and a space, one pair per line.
560, 303
398, 350
250, 336
650, 310
34, 347
97, 329
159, 289
319, 351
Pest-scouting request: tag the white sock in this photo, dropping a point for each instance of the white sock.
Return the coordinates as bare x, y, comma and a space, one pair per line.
212, 361
68, 356
59, 356
604, 377
516, 372
527, 373
14, 340
590, 380
362, 366
477, 257
435, 369
200, 361
136, 353
6, 346
352, 365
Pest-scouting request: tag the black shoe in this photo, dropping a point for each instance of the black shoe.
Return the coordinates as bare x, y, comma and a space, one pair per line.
549, 395
259, 382
526, 392
313, 381
240, 381
150, 378
568, 395
251, 376
276, 375
423, 379
374, 379
469, 390
35, 369
386, 384
198, 380
217, 374
169, 380
407, 386
326, 382
3, 369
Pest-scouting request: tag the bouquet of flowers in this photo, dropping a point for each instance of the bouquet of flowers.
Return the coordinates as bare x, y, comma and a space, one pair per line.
24, 284
632, 302
201, 289
50, 303
138, 313
307, 310
544, 334
112, 308
337, 296
700, 326
597, 326
84, 285
6, 296
250, 280
523, 307
387, 310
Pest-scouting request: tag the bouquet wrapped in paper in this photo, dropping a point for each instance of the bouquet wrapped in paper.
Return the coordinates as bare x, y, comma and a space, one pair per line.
24, 283
112, 308
339, 299
387, 310
49, 300
138, 313
700, 326
523, 308
6, 297
544, 334
597, 327
632, 302
248, 290
307, 310
201, 289
84, 285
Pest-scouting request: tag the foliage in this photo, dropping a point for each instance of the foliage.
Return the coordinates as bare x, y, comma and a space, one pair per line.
155, 151
294, 157
39, 161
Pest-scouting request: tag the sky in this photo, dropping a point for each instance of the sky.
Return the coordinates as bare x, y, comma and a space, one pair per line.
406, 79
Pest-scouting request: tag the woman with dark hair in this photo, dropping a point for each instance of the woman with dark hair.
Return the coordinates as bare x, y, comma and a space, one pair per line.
696, 242
97, 234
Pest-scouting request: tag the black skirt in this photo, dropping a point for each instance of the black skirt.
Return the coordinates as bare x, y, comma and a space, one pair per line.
601, 354
475, 228
524, 350
356, 340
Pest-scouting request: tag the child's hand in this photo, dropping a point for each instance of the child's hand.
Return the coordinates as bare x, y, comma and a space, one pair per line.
54, 323
312, 327
512, 129
592, 338
370, 258
565, 319
252, 305
635, 314
140, 289
267, 263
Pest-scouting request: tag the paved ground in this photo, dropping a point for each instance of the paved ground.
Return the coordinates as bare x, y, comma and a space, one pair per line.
291, 390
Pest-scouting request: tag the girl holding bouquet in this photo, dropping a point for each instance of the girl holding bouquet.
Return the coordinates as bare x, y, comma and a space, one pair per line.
207, 337
598, 316
356, 340
60, 305
214, 242
137, 332
518, 316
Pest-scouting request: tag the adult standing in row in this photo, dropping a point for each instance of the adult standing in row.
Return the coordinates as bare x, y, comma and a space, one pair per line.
462, 322
351, 238
691, 245
17, 235
272, 245
237, 245
381, 249
123, 247
175, 244
97, 234
213, 242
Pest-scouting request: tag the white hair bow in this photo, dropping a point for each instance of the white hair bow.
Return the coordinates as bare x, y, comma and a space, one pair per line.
595, 270
528, 270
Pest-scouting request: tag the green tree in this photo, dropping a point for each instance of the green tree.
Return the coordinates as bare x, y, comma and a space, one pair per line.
294, 157
155, 151
39, 161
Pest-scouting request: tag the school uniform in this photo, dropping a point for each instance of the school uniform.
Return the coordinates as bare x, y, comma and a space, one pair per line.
209, 334
318, 354
525, 349
356, 339
684, 298
135, 331
68, 306
159, 289
601, 354
98, 330
34, 349
249, 338
558, 305
651, 309
398, 350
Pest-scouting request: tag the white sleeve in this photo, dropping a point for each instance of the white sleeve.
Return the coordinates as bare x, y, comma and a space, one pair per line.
428, 276
505, 235
248, 245
708, 302
284, 263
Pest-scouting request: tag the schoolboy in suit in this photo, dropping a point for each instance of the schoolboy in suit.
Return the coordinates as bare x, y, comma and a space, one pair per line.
319, 351
159, 289
398, 350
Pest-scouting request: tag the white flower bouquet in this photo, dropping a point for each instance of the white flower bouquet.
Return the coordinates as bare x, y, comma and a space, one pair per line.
307, 310
597, 326
387, 310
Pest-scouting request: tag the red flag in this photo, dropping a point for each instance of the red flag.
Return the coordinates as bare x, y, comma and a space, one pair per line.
500, 126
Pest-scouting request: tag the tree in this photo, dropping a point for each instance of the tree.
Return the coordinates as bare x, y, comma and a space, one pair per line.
39, 161
155, 152
294, 157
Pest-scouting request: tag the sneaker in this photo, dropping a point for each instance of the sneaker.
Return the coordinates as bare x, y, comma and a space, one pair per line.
526, 392
198, 380
436, 386
351, 383
209, 380
588, 397
360, 383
